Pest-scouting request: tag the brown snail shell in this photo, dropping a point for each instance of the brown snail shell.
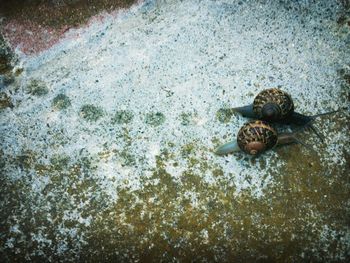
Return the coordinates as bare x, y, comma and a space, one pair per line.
256, 137
273, 105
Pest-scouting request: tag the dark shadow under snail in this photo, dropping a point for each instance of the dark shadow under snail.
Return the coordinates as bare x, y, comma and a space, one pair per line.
275, 105
256, 137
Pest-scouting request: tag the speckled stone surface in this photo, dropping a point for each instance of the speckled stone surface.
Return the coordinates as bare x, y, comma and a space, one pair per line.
107, 148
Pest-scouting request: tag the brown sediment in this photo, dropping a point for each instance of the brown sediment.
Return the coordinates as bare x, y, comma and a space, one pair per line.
159, 222
34, 26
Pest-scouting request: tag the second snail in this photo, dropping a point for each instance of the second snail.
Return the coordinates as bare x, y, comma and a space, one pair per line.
256, 137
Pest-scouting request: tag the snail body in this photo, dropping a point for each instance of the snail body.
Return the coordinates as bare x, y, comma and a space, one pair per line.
256, 137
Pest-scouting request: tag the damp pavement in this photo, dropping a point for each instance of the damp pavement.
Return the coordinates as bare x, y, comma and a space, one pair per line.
107, 135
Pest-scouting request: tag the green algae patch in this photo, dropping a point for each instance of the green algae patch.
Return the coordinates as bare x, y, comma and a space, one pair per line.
164, 215
5, 101
69, 187
60, 162
8, 79
155, 118
127, 159
124, 136
188, 149
2, 159
224, 115
91, 112
37, 88
187, 118
6, 56
201, 218
122, 117
196, 217
27, 159
5, 65
217, 172
61, 102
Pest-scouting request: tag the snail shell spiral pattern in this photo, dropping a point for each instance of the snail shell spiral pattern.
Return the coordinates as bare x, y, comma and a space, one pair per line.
256, 137
273, 105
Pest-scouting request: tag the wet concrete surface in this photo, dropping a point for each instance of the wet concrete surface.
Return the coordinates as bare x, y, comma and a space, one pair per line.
107, 135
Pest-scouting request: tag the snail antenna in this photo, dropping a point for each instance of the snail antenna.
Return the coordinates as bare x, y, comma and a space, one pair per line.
309, 125
246, 111
319, 135
290, 138
327, 113
304, 144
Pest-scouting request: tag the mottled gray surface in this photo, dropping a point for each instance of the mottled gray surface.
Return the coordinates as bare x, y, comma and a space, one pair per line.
106, 153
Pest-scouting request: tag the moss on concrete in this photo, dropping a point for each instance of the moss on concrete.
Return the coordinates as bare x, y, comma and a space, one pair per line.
6, 56
5, 101
122, 117
37, 88
61, 102
224, 115
91, 112
154, 118
186, 118
60, 161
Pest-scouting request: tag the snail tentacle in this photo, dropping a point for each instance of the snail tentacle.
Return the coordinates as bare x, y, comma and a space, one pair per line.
303, 120
307, 121
305, 145
326, 113
319, 135
246, 111
289, 138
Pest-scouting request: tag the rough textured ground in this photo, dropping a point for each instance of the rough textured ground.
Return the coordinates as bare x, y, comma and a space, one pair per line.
107, 137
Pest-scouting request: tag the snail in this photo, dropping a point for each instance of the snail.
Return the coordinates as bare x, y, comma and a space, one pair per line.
275, 105
256, 137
